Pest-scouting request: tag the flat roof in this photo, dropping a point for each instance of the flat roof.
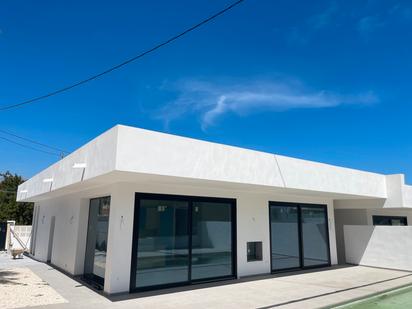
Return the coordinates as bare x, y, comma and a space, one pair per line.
143, 152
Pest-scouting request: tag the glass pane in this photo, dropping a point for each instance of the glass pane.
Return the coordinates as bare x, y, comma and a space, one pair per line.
163, 254
315, 236
211, 240
388, 220
285, 237
96, 247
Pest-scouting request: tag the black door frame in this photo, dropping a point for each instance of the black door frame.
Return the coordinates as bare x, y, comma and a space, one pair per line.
190, 200
3, 235
92, 278
300, 234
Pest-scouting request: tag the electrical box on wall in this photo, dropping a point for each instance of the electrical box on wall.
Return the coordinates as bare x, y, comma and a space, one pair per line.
254, 251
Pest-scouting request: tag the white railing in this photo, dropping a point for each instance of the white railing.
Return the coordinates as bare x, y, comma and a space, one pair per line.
20, 237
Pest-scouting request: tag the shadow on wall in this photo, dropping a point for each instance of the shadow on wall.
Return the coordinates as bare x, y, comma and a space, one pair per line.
379, 246
356, 241
347, 217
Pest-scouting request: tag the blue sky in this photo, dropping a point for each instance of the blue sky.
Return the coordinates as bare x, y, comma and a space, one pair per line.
326, 81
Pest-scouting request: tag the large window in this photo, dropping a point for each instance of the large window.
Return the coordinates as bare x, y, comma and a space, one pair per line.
389, 220
163, 242
299, 236
180, 240
211, 240
315, 240
285, 237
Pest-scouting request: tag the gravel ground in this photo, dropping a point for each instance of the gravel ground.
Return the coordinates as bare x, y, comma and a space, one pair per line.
20, 287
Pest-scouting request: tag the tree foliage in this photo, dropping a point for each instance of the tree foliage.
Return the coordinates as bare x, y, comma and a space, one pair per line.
10, 209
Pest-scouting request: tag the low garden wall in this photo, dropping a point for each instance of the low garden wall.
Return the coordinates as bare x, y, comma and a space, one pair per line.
379, 246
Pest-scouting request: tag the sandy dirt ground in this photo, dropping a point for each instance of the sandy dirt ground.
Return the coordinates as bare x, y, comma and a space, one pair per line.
20, 287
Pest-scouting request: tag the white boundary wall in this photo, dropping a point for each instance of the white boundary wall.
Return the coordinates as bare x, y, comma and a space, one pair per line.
379, 246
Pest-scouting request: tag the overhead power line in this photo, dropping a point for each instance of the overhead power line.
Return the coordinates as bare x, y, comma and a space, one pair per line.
29, 147
109, 70
33, 141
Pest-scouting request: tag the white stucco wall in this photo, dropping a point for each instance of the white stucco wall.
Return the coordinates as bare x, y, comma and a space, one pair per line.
119, 244
379, 246
157, 153
99, 155
125, 160
252, 225
407, 193
66, 232
72, 216
141, 151
309, 175
347, 217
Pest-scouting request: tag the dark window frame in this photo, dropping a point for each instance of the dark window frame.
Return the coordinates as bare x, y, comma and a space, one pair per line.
190, 199
374, 217
300, 235
92, 278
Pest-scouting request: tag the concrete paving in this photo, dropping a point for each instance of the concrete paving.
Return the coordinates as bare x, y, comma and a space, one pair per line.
308, 289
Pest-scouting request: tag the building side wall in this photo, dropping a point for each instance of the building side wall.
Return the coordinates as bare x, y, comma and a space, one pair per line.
63, 241
347, 217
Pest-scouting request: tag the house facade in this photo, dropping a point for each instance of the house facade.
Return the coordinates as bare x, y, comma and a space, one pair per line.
137, 210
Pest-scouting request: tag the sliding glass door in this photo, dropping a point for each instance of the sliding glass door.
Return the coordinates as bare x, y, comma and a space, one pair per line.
179, 240
315, 238
211, 240
163, 243
284, 232
299, 236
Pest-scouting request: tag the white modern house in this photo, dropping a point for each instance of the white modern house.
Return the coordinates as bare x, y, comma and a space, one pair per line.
134, 210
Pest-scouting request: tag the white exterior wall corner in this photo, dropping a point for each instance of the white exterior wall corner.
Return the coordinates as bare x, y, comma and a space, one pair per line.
394, 184
407, 196
99, 155
119, 243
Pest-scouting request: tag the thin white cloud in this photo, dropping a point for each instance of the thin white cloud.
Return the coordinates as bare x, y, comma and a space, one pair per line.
397, 14
369, 24
211, 101
325, 17
301, 34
